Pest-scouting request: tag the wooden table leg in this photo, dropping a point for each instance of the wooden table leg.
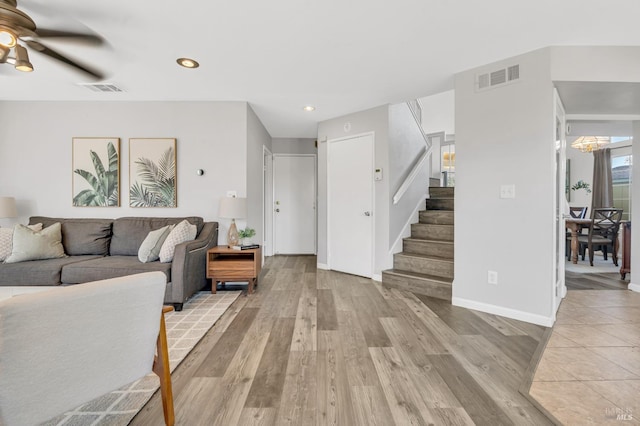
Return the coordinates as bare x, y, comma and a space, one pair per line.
214, 285
574, 243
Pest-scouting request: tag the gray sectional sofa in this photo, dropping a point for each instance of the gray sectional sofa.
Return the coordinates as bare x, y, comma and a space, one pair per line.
107, 248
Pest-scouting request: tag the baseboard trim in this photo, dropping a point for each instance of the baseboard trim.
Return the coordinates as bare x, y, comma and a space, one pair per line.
503, 312
377, 277
323, 266
634, 287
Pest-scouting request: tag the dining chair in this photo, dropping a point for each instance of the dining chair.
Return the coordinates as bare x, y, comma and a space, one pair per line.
577, 213
63, 347
603, 233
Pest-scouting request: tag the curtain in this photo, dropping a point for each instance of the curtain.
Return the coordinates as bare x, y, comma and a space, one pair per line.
602, 180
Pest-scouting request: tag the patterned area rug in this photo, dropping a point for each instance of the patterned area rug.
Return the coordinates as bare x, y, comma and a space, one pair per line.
184, 331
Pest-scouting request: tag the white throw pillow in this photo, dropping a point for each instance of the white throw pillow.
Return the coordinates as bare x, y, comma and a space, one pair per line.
149, 250
34, 245
6, 240
184, 231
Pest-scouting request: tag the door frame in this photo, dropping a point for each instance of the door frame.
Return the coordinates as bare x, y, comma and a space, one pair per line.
559, 148
373, 197
267, 199
315, 198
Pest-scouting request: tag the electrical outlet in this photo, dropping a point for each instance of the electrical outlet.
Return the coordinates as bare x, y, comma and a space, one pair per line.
492, 277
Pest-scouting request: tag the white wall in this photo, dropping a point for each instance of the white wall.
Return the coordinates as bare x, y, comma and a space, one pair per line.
257, 137
438, 113
595, 63
581, 168
635, 211
505, 135
35, 153
372, 120
406, 146
294, 146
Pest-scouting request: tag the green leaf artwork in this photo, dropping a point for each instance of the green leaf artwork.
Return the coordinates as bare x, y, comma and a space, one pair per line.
103, 182
155, 184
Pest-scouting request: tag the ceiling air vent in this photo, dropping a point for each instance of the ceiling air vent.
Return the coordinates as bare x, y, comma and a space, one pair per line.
103, 87
498, 77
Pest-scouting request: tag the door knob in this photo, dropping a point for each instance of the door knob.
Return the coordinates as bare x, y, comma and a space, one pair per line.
367, 213
277, 210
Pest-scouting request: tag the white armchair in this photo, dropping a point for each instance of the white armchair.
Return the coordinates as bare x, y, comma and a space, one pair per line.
66, 346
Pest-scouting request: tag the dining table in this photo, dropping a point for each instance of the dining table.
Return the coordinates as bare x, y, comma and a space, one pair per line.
575, 225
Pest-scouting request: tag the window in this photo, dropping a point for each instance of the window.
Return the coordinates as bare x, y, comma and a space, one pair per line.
621, 166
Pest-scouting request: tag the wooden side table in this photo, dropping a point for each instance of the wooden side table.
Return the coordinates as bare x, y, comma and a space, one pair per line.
225, 264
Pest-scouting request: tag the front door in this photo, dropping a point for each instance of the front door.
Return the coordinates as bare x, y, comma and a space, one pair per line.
350, 203
294, 204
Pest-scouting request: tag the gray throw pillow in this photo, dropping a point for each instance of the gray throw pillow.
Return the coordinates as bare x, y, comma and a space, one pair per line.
34, 245
149, 250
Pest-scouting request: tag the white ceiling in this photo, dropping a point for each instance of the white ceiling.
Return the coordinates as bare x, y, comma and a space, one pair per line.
279, 55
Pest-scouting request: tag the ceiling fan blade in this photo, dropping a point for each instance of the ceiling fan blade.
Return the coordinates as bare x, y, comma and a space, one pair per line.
36, 45
92, 39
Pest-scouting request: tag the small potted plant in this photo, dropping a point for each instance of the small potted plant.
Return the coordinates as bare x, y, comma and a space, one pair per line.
582, 185
245, 235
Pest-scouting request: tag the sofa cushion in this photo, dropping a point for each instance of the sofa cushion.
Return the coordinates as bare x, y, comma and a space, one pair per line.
81, 236
184, 231
150, 249
36, 245
110, 267
130, 232
6, 240
37, 272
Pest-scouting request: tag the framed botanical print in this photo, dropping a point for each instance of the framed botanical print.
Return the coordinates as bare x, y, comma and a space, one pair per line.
96, 172
152, 172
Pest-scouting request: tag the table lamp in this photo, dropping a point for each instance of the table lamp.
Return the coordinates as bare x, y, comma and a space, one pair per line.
8, 207
233, 208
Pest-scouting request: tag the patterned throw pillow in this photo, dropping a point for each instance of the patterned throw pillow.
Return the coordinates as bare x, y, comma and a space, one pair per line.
149, 250
6, 240
184, 231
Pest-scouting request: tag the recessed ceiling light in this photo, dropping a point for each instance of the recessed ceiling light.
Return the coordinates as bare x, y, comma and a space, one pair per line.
309, 108
188, 62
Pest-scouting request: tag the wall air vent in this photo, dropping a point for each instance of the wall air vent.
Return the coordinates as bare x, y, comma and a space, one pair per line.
102, 87
497, 77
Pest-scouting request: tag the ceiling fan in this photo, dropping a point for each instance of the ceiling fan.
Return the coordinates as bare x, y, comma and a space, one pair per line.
17, 27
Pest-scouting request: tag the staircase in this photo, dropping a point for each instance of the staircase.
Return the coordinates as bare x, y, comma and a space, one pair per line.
425, 266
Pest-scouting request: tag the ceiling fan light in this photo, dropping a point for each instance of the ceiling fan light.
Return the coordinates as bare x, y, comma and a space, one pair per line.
22, 59
7, 38
4, 54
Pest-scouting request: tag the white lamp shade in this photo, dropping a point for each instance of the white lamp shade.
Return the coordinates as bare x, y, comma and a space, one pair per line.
8, 207
233, 208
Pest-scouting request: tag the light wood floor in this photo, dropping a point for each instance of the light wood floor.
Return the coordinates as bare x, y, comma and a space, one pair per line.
317, 347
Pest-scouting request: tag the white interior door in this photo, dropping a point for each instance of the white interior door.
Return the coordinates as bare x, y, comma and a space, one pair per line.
560, 289
350, 205
267, 197
294, 205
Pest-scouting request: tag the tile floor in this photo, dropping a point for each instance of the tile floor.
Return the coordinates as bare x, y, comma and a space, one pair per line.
589, 372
